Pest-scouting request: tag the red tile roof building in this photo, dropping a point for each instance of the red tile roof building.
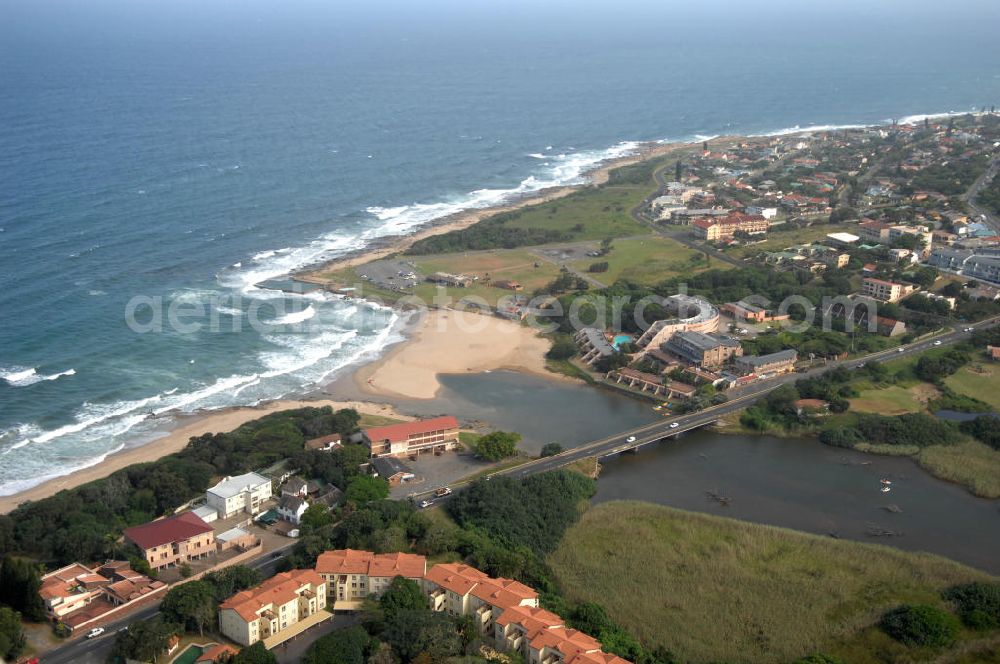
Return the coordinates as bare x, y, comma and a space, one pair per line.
173, 540
503, 609
352, 575
438, 433
264, 612
726, 228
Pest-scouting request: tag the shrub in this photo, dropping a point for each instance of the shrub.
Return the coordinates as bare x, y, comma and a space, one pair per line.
978, 604
920, 625
551, 449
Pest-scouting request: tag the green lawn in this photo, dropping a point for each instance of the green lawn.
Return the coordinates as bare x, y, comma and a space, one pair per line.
892, 399
979, 379
648, 260
713, 589
603, 212
376, 420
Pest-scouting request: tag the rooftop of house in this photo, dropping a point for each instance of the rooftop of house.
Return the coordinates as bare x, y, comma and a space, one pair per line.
165, 531
404, 430
760, 360
231, 486
388, 466
703, 341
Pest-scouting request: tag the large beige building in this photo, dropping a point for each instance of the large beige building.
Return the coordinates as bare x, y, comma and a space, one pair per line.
351, 575
283, 606
505, 611
174, 540
885, 291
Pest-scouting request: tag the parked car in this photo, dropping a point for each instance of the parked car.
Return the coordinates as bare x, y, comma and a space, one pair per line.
97, 631
425, 503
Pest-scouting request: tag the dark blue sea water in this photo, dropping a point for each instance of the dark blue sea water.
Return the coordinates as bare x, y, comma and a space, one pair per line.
184, 152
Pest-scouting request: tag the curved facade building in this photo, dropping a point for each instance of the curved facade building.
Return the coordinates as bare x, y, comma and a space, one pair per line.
694, 314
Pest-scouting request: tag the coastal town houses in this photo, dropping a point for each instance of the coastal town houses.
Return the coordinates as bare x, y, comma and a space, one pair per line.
172, 541
409, 438
652, 384
278, 609
705, 350
77, 596
723, 229
593, 345
782, 361
352, 575
505, 612
241, 493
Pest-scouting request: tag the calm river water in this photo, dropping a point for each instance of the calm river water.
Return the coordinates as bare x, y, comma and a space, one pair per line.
790, 482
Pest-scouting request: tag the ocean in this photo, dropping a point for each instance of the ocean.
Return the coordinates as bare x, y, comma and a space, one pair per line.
185, 154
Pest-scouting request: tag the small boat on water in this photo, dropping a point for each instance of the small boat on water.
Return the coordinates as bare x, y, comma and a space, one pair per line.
886, 489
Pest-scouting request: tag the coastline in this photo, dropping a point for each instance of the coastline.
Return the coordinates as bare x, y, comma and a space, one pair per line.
177, 438
393, 244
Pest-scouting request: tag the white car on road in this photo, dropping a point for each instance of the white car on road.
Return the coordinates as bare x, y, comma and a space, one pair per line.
97, 631
937, 343
674, 425
630, 439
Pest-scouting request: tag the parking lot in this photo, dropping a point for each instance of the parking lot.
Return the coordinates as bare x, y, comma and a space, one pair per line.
390, 274
437, 471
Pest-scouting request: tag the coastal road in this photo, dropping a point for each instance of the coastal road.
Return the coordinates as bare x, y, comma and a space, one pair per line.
658, 431
992, 220
81, 650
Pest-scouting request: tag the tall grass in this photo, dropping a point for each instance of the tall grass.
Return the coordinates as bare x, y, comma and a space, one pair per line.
713, 589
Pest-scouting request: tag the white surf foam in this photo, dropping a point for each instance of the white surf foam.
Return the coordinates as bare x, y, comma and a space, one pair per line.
295, 317
23, 377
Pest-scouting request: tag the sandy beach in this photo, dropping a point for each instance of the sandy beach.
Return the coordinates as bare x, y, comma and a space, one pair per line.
452, 342
177, 439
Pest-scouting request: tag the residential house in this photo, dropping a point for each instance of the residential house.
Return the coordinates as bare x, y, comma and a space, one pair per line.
276, 610
291, 508
242, 493
324, 443
747, 311
874, 231
295, 486
392, 470
77, 595
406, 438
172, 541
217, 654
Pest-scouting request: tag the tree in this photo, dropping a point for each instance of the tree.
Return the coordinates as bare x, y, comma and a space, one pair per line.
402, 595
920, 625
563, 348
422, 632
316, 516
20, 581
978, 603
145, 640
497, 445
345, 646
191, 604
365, 488
230, 580
255, 654
12, 640
551, 449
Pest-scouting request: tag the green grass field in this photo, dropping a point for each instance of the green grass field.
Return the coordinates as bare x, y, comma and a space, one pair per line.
971, 464
778, 239
603, 211
713, 589
978, 379
648, 260
893, 399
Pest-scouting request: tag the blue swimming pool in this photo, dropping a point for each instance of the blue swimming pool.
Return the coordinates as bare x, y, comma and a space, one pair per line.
621, 339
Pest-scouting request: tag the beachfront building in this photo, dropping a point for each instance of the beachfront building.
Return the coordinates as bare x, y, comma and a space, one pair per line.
651, 383
242, 493
174, 540
278, 609
704, 350
885, 291
406, 438
691, 314
324, 443
352, 575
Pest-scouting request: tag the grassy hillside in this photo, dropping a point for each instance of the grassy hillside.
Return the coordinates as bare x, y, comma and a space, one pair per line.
714, 589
